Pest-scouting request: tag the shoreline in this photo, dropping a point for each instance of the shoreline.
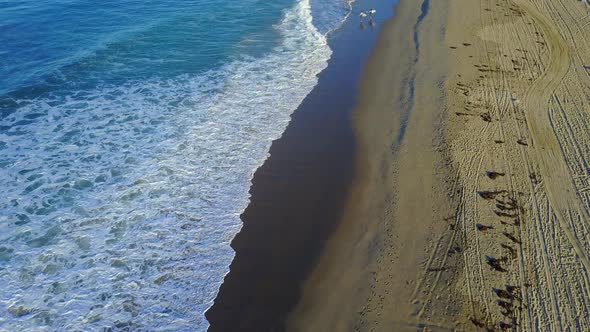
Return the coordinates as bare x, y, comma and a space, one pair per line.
469, 204
296, 195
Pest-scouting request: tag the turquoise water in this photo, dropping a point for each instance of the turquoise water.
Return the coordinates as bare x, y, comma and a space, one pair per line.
129, 134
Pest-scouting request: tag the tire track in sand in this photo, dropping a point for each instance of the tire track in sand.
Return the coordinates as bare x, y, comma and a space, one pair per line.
560, 187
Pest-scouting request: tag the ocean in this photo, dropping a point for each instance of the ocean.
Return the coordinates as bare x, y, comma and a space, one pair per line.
129, 134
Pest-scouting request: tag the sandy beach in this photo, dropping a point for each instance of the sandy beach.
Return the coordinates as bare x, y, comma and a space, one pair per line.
469, 207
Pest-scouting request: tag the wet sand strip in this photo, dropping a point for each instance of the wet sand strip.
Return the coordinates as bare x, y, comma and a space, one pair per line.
298, 194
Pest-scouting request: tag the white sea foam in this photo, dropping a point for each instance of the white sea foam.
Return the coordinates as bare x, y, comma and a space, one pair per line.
329, 16
119, 204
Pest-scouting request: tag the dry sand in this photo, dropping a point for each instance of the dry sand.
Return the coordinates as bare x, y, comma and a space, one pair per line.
470, 210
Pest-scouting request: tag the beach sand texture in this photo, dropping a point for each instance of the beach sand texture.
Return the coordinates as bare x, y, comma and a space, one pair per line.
470, 208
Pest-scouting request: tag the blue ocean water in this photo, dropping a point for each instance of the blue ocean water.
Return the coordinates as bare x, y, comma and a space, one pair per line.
129, 134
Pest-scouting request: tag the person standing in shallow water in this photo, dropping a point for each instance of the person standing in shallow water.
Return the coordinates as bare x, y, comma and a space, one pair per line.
370, 14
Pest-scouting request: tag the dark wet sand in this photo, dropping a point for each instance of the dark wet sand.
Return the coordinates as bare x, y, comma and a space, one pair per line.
298, 194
